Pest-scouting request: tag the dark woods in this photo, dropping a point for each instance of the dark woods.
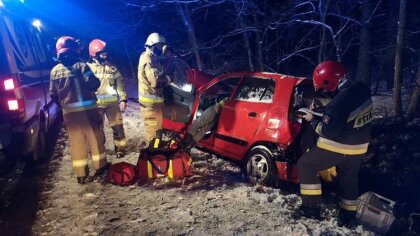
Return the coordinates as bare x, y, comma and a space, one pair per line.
289, 37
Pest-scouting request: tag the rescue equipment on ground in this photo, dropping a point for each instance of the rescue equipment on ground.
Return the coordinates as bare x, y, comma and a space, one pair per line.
163, 159
375, 212
122, 174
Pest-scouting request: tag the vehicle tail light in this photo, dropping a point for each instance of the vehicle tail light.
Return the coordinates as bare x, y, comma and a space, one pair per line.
13, 105
9, 84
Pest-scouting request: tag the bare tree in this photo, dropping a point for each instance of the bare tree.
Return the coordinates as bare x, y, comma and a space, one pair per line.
414, 109
259, 44
397, 68
323, 10
363, 64
242, 24
184, 12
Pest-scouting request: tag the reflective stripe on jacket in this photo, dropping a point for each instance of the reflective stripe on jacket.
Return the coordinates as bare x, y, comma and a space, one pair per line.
112, 83
346, 124
79, 106
74, 87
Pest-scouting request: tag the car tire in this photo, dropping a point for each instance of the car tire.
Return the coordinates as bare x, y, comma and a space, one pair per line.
259, 166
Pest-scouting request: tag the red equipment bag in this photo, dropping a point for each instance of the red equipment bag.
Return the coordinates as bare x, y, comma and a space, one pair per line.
122, 174
163, 162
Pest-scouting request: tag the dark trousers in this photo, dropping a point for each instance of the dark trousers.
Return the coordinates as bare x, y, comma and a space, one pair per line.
317, 159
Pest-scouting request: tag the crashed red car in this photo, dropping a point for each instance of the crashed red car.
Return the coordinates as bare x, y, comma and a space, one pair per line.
257, 126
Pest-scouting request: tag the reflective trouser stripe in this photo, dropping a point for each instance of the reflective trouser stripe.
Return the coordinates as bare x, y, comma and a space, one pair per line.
99, 161
349, 205
120, 143
80, 163
170, 171
346, 149
310, 189
99, 157
151, 99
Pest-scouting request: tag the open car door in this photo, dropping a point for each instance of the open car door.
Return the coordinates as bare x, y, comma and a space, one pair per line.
178, 111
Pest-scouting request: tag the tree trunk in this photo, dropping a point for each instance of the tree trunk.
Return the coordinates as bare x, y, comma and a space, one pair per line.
388, 59
242, 24
398, 56
363, 65
260, 55
186, 19
323, 15
133, 73
413, 108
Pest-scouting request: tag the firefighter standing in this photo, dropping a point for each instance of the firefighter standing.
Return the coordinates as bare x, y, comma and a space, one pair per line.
112, 98
151, 83
344, 133
73, 85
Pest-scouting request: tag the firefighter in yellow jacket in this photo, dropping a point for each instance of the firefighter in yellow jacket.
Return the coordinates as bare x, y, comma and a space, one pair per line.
112, 98
73, 85
151, 83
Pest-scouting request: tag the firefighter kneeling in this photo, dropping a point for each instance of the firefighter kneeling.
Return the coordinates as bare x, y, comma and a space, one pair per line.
73, 85
344, 134
112, 98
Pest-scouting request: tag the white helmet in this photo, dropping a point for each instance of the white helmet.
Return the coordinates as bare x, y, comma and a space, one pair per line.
154, 38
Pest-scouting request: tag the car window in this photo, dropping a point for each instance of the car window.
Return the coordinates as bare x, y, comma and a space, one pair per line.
216, 93
256, 90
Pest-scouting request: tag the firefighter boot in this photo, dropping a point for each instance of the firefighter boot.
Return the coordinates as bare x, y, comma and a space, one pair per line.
347, 219
101, 170
82, 180
310, 212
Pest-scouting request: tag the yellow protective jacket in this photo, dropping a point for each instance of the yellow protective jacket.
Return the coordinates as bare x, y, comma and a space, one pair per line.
151, 78
74, 87
112, 88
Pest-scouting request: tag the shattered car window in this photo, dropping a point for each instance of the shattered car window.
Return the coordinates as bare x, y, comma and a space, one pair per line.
256, 90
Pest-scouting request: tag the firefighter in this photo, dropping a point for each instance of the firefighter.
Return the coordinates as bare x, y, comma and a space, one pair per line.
152, 80
112, 98
344, 133
73, 86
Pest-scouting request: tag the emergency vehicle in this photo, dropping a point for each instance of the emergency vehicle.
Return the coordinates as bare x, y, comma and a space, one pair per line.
26, 109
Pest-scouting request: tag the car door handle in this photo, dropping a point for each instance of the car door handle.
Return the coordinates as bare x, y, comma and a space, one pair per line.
252, 114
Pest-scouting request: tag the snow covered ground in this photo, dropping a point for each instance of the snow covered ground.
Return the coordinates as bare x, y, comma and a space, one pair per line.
215, 201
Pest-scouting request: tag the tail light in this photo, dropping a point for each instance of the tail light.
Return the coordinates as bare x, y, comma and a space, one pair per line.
13, 105
12, 96
9, 84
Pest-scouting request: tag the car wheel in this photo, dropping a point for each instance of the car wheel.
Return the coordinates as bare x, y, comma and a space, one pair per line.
259, 166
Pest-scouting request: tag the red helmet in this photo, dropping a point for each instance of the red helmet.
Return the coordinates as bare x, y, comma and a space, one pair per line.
66, 44
96, 46
327, 75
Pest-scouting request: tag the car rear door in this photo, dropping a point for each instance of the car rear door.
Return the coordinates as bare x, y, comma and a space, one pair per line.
243, 115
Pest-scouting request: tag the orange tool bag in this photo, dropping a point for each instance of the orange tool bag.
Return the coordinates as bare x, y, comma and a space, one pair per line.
122, 174
163, 159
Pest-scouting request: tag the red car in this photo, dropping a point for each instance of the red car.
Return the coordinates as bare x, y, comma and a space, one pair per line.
257, 126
